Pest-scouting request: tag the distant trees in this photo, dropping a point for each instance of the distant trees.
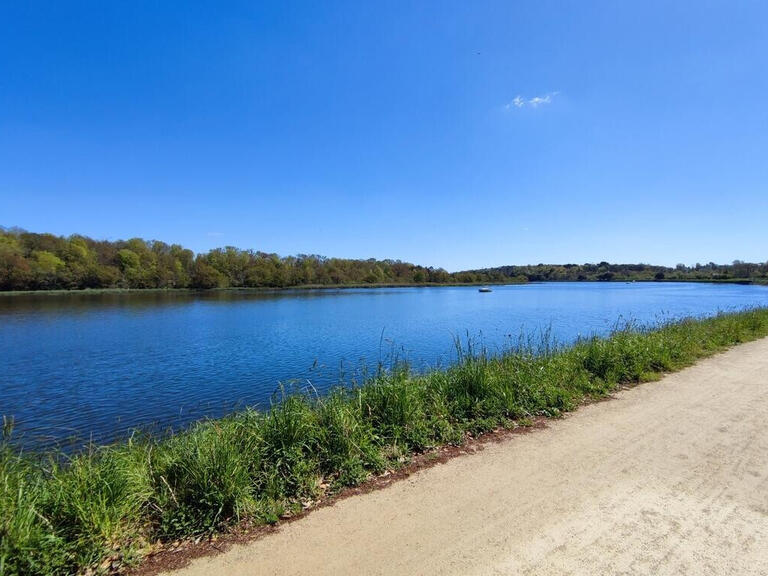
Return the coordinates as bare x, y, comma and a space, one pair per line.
43, 261
604, 271
30, 261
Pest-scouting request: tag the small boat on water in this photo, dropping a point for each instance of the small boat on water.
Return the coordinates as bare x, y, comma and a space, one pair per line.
484, 289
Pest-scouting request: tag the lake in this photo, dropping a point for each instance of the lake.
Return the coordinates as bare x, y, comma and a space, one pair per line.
94, 366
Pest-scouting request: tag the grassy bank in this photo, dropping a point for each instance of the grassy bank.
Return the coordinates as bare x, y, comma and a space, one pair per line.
102, 508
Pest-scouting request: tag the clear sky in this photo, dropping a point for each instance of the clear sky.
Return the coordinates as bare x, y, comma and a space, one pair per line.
455, 134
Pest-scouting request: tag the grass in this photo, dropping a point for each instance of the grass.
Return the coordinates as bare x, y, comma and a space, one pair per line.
99, 510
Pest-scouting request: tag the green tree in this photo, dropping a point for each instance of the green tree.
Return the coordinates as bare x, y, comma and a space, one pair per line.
48, 269
205, 276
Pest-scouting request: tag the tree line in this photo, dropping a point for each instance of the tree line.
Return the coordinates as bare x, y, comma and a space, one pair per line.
31, 261
606, 272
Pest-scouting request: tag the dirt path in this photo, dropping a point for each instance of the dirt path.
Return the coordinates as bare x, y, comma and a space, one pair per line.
669, 478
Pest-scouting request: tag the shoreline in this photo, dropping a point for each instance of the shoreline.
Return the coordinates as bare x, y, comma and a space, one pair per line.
255, 289
258, 468
303, 287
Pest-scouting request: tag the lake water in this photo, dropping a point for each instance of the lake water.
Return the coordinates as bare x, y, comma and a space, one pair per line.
97, 365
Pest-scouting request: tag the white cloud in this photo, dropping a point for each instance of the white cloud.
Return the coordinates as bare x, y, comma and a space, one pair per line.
520, 101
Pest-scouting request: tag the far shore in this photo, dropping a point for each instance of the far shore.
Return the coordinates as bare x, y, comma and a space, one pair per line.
740, 281
258, 288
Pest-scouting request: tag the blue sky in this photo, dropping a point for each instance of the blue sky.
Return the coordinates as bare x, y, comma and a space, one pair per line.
454, 134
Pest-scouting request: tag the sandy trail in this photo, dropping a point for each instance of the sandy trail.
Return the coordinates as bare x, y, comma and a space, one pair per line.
670, 477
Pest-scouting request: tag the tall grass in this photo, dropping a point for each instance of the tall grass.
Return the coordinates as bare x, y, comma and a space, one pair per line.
100, 509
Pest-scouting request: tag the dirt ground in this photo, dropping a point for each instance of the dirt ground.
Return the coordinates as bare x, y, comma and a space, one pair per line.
670, 477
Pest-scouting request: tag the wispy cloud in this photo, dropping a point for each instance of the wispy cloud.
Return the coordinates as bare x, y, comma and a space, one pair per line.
521, 101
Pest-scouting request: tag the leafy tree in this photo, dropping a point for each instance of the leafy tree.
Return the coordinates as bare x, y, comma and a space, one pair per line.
205, 276
48, 269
